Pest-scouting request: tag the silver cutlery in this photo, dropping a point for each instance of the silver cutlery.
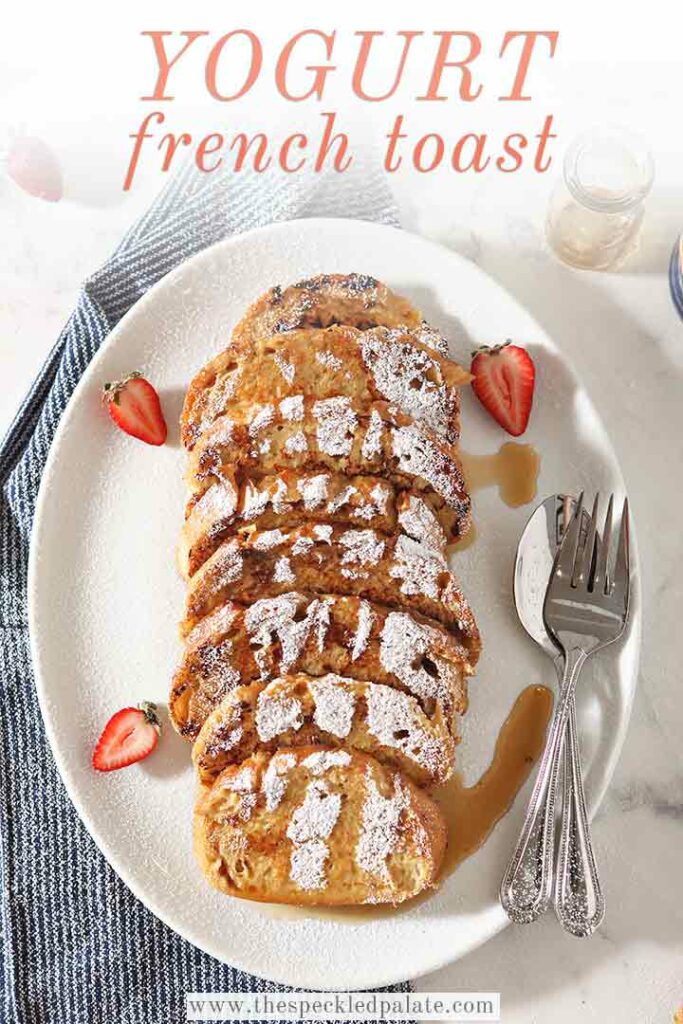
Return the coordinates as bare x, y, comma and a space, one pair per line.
585, 608
533, 565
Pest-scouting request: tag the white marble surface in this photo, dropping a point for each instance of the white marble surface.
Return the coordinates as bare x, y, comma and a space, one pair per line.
626, 341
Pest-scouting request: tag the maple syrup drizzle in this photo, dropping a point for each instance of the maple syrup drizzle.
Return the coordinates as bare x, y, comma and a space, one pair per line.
513, 469
471, 812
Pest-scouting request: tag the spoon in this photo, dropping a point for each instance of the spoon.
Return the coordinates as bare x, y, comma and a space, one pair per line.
576, 873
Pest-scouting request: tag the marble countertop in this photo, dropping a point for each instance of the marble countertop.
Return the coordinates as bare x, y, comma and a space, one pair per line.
626, 341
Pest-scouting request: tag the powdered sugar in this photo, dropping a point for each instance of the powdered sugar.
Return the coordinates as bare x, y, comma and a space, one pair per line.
334, 705
329, 360
366, 618
336, 422
302, 545
219, 502
417, 519
419, 456
278, 496
262, 419
286, 368
241, 781
394, 719
219, 396
273, 620
312, 823
408, 376
380, 826
274, 780
372, 442
340, 498
380, 494
292, 408
322, 760
254, 502
282, 572
308, 864
215, 665
244, 783
429, 336
264, 540
418, 566
225, 566
313, 490
404, 644
296, 443
276, 713
361, 549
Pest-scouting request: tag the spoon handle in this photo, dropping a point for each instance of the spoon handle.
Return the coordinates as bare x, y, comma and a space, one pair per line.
579, 902
527, 886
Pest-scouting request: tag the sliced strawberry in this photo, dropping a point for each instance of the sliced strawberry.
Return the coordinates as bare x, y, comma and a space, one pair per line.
34, 167
135, 407
129, 736
503, 382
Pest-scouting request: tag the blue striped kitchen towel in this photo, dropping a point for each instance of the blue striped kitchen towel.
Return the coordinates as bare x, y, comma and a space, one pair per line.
77, 947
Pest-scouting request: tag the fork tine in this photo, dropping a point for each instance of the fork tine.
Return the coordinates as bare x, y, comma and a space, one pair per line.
585, 561
622, 567
566, 555
600, 579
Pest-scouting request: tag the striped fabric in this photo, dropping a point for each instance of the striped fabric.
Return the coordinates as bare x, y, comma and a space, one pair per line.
78, 948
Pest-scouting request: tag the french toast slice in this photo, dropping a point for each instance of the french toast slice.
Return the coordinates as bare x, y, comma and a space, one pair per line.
290, 498
314, 826
321, 558
380, 364
317, 634
331, 435
332, 711
356, 300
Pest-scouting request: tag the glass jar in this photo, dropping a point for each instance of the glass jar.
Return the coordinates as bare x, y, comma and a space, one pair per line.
596, 210
676, 275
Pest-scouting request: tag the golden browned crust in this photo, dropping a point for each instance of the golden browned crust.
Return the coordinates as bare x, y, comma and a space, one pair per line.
290, 498
317, 634
316, 827
356, 300
327, 643
396, 571
332, 711
381, 364
332, 435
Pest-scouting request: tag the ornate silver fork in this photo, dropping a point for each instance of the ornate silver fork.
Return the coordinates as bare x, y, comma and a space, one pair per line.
586, 608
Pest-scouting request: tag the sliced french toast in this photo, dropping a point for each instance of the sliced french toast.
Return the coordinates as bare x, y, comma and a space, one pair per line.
321, 558
332, 711
317, 634
318, 826
381, 364
290, 498
332, 435
356, 300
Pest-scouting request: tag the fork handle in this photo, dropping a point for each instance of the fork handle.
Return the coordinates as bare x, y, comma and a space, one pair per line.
526, 889
579, 902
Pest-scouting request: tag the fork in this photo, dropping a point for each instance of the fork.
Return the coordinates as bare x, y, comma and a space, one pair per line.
585, 608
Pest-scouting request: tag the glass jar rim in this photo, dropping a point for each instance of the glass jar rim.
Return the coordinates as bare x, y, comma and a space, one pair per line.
629, 143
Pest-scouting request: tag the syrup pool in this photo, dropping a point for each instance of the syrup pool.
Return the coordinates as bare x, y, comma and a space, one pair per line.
471, 812
513, 469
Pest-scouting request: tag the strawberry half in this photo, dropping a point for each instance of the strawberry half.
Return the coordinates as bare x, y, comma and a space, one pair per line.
504, 378
134, 406
129, 736
33, 166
